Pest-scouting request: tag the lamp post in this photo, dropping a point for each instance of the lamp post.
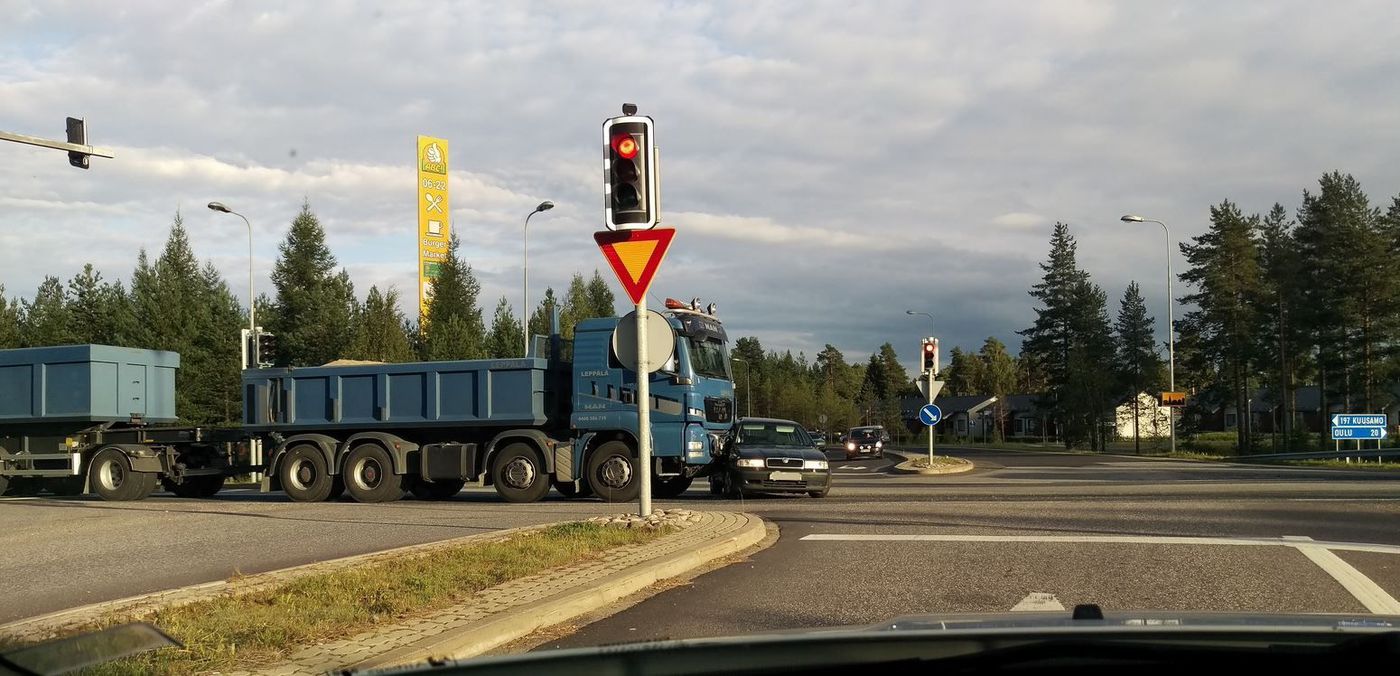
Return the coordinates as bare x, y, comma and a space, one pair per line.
748, 383
252, 302
930, 318
525, 302
1171, 324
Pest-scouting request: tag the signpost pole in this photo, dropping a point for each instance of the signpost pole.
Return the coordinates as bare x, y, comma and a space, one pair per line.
643, 411
930, 427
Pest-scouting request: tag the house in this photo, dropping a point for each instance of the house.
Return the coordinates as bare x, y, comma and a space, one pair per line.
981, 416
1153, 419
1266, 415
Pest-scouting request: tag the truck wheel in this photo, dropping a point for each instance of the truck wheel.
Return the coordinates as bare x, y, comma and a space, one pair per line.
304, 476
518, 474
612, 472
436, 490
205, 486
369, 475
670, 487
113, 479
4, 484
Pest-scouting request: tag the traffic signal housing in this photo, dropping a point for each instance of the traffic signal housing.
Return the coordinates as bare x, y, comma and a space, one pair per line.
77, 134
267, 348
631, 196
929, 361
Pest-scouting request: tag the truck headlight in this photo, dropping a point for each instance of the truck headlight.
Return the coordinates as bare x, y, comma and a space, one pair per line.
813, 464
696, 412
695, 445
750, 462
850, 445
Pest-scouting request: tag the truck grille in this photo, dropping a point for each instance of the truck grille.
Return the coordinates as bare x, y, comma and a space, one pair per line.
718, 409
784, 463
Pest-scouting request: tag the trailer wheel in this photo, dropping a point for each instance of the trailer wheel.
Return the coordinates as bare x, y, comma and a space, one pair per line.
113, 479
369, 475
304, 476
670, 487
436, 490
518, 474
612, 472
195, 486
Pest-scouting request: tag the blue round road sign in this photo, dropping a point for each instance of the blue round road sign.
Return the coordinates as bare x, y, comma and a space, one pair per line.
930, 414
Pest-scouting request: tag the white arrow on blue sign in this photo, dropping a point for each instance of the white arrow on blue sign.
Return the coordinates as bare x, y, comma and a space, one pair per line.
1359, 426
930, 414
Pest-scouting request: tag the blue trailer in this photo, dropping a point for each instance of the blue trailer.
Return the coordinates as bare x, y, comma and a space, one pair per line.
563, 416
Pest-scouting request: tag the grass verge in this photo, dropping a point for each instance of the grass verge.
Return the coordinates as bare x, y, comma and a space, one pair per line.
261, 628
938, 461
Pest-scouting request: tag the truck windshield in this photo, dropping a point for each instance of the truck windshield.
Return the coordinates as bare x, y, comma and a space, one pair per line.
708, 358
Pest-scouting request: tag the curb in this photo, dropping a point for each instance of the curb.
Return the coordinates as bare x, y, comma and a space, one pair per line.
907, 467
49, 624
480, 637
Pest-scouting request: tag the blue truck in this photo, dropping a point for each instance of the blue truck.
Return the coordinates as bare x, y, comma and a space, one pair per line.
564, 416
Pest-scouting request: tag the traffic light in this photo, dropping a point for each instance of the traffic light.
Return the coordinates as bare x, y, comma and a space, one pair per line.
930, 359
630, 191
267, 348
77, 133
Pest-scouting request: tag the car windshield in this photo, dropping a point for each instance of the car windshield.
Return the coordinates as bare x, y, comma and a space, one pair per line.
772, 434
323, 316
708, 358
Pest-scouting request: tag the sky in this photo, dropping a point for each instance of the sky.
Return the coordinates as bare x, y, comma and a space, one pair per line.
827, 165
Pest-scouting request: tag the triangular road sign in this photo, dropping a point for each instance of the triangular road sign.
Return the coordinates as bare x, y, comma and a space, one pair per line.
635, 256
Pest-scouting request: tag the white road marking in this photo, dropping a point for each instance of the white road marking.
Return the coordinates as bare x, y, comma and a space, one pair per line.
1344, 499
17, 498
1038, 602
1367, 592
1100, 539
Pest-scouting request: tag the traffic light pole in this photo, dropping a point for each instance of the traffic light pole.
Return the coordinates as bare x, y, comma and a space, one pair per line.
643, 412
931, 376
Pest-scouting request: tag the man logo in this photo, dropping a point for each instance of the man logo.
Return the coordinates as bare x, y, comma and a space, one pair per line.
433, 160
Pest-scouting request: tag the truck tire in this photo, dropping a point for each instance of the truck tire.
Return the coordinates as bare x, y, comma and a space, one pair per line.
206, 486
112, 478
612, 472
4, 484
670, 487
518, 474
369, 475
304, 475
435, 490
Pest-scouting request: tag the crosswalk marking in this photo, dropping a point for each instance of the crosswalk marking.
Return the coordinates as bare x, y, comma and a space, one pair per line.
1038, 602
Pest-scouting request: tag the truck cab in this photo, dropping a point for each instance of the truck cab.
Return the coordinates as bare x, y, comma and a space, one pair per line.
692, 406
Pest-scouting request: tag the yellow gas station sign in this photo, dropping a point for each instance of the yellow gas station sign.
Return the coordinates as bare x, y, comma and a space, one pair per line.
434, 227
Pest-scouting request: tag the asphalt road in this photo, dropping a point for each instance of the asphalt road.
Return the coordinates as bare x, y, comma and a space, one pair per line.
63, 553
1040, 531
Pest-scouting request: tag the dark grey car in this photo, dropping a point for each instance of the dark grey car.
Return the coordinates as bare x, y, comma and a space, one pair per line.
768, 455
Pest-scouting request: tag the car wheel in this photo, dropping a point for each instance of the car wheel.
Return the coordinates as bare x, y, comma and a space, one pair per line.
113, 479
303, 474
716, 484
732, 489
612, 472
518, 474
369, 475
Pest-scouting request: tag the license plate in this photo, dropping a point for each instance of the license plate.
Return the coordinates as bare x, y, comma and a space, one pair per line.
785, 476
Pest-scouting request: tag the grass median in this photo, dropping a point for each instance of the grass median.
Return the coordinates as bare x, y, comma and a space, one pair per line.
261, 628
939, 462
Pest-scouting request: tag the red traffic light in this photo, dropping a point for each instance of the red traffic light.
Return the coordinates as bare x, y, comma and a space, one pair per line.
928, 347
625, 146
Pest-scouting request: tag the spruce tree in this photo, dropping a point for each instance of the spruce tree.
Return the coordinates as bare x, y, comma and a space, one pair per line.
455, 293
1137, 364
506, 336
11, 335
379, 329
46, 316
315, 304
600, 297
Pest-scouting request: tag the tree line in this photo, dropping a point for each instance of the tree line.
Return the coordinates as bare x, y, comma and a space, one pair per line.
176, 303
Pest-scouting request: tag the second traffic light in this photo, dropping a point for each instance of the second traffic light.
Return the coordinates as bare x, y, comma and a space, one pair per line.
631, 199
929, 363
267, 348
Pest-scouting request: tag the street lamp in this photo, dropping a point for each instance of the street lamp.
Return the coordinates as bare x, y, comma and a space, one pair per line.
930, 318
748, 382
525, 304
252, 302
1171, 324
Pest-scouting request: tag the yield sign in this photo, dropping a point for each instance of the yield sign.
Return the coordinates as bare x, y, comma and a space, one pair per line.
635, 256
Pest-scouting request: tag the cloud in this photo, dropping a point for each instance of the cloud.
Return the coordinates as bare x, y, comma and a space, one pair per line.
827, 163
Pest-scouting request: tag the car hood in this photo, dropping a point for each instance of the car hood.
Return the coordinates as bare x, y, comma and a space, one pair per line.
781, 452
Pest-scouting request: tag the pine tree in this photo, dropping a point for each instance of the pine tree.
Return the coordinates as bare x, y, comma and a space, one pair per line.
1046, 345
577, 306
99, 312
315, 305
542, 316
504, 340
455, 293
963, 375
1224, 270
1137, 365
1283, 352
1088, 387
600, 297
379, 329
46, 317
10, 322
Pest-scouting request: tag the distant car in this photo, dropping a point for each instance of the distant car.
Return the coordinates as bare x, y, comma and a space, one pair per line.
818, 438
866, 441
768, 455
